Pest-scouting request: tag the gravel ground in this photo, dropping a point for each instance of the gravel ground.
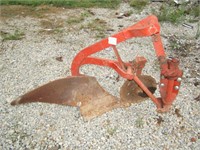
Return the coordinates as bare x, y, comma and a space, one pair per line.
27, 63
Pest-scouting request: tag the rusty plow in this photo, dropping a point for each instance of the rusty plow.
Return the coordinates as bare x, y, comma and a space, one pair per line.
85, 92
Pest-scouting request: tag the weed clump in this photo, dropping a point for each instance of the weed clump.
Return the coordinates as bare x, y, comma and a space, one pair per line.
138, 4
17, 35
139, 123
78, 19
98, 26
173, 13
170, 14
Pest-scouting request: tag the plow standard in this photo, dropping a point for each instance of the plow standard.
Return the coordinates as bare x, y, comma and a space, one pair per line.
83, 91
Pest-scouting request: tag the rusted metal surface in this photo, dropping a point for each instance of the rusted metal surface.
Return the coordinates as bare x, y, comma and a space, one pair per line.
170, 71
62, 91
93, 100
83, 91
86, 93
131, 92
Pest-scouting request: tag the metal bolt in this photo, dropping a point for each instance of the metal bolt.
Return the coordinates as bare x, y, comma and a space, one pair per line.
162, 84
176, 87
179, 79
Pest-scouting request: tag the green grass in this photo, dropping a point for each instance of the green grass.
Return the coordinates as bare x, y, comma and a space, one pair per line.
17, 35
139, 123
112, 131
138, 4
99, 26
78, 19
75, 20
181, 46
169, 12
65, 3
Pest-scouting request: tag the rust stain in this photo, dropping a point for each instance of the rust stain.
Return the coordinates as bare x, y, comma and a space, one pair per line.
83, 92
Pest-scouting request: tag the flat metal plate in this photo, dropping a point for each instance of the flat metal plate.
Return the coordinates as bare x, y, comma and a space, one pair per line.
82, 91
131, 93
86, 93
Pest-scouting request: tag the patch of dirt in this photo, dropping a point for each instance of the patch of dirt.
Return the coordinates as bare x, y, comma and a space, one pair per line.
10, 11
52, 25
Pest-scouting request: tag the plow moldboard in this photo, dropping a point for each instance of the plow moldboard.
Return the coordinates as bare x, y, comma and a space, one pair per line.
81, 91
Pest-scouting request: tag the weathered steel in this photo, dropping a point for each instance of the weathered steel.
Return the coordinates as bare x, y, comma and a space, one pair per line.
86, 93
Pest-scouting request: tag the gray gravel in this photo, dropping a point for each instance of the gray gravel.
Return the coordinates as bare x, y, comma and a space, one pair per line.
25, 64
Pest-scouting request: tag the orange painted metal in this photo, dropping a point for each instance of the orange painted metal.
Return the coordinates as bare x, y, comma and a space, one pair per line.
146, 27
170, 80
170, 72
138, 64
146, 90
118, 57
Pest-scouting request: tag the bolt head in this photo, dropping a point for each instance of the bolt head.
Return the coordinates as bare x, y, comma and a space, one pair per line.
176, 87
179, 79
162, 84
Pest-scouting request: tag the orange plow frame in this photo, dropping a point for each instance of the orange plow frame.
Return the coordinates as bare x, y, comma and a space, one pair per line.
170, 77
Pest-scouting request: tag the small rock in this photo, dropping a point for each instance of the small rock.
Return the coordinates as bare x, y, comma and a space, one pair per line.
54, 148
127, 14
159, 120
177, 112
193, 139
59, 59
120, 17
110, 30
197, 98
196, 83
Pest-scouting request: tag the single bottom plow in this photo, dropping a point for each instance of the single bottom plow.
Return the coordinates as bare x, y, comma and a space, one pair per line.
85, 92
